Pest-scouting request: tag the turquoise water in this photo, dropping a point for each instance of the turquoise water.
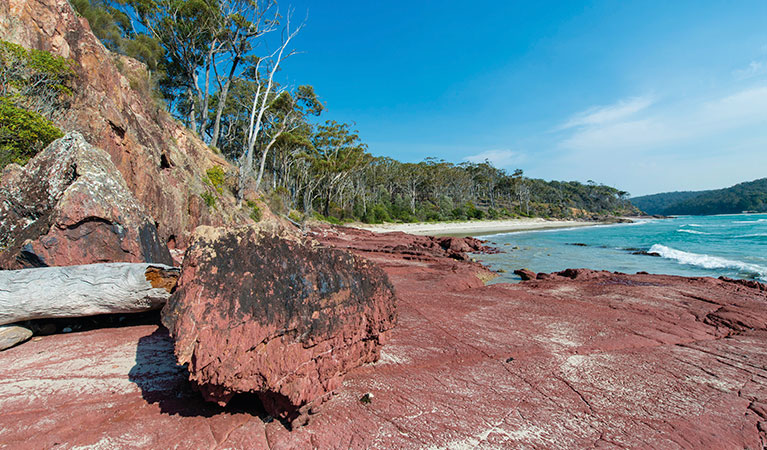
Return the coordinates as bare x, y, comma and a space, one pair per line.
730, 245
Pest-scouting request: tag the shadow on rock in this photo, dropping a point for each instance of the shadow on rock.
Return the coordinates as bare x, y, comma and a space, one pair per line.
165, 383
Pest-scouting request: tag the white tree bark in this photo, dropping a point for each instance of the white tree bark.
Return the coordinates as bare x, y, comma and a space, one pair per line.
260, 105
86, 290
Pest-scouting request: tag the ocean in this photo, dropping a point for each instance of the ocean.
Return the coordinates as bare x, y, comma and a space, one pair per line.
729, 245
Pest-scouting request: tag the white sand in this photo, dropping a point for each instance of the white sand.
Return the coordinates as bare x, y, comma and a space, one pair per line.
474, 227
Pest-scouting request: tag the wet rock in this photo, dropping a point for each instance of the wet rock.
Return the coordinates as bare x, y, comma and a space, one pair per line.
525, 274
11, 335
261, 310
70, 205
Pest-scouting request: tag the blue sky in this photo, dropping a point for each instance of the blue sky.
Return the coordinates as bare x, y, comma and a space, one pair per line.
646, 96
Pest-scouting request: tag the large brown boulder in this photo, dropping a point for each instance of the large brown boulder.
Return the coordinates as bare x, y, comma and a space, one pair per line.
69, 205
259, 310
163, 163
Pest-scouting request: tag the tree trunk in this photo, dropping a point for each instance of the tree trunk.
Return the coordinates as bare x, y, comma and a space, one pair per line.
222, 102
86, 290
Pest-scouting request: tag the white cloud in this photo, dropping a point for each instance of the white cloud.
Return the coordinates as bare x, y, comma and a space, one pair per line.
698, 143
499, 158
607, 114
674, 124
754, 68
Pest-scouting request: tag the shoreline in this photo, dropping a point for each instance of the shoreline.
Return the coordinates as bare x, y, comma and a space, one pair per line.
476, 227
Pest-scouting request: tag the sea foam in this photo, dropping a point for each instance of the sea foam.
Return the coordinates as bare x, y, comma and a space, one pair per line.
682, 230
709, 262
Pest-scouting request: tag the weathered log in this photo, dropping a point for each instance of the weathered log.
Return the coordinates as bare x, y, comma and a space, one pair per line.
87, 290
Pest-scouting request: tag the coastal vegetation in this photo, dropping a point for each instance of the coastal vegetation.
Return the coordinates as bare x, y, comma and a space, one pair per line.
215, 64
743, 197
35, 87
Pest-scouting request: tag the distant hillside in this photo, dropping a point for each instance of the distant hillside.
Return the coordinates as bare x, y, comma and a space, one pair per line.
749, 196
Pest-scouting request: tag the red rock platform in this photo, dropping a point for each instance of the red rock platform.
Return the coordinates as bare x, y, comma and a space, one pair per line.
601, 360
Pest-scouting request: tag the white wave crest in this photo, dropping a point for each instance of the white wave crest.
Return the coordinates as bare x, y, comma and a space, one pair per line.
749, 221
751, 235
682, 230
708, 261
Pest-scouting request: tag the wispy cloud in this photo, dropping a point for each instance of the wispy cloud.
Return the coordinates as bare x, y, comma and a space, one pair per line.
499, 158
673, 123
698, 143
607, 114
753, 69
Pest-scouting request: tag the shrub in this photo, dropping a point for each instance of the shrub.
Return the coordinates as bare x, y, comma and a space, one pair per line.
35, 79
216, 178
377, 214
209, 199
296, 216
255, 211
23, 133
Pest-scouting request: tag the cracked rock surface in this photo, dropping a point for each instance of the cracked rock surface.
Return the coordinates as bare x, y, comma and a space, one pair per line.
578, 360
262, 310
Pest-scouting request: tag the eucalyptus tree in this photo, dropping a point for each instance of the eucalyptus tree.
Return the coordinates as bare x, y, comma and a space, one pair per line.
337, 153
267, 92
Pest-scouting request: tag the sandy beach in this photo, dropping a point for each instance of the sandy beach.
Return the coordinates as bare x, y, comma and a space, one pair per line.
475, 227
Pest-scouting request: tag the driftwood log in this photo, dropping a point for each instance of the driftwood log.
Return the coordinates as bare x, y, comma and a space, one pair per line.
87, 290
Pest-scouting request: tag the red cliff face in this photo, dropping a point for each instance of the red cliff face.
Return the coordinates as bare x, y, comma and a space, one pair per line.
161, 161
259, 310
69, 205
588, 359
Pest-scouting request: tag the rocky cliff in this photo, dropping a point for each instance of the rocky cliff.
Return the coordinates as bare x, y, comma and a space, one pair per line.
69, 205
162, 162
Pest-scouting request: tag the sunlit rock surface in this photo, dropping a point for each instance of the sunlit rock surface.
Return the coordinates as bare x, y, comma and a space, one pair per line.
601, 360
264, 310
70, 205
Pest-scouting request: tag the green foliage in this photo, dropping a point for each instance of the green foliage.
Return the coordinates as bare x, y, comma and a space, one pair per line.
255, 211
296, 216
308, 165
35, 80
216, 178
377, 214
209, 199
23, 133
749, 196
113, 27
34, 69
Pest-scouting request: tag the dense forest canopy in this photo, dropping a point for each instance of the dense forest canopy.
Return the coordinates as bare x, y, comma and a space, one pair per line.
748, 196
213, 65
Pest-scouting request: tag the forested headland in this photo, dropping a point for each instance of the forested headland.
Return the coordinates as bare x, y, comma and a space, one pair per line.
750, 196
215, 64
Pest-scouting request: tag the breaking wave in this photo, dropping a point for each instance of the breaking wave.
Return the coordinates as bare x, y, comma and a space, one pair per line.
710, 262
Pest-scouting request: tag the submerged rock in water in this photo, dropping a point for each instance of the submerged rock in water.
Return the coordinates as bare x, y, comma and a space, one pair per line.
70, 205
260, 310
